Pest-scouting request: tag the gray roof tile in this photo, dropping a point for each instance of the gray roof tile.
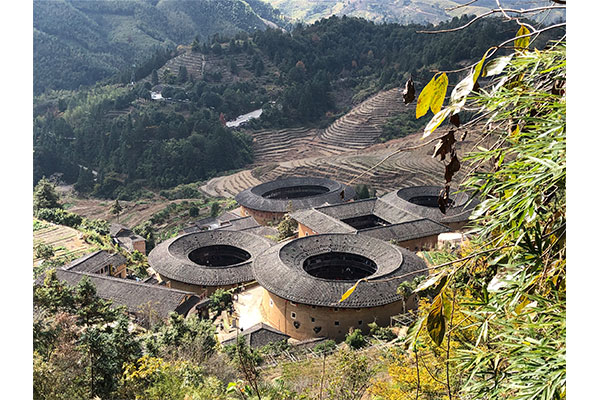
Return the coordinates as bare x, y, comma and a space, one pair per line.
136, 296
171, 257
253, 197
280, 271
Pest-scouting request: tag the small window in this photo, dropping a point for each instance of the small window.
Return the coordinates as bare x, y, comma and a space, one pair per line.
312, 319
293, 315
336, 309
360, 322
292, 303
313, 306
337, 323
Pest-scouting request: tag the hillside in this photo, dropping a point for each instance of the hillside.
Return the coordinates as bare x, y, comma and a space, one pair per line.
306, 83
82, 42
402, 11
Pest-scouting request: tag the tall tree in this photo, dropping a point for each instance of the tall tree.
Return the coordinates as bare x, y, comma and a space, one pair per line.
45, 195
116, 209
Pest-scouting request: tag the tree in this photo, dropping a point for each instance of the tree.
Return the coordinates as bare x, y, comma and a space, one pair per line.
215, 208
182, 75
352, 376
116, 209
43, 251
108, 348
221, 300
196, 45
194, 211
85, 180
362, 191
191, 338
287, 227
154, 77
45, 196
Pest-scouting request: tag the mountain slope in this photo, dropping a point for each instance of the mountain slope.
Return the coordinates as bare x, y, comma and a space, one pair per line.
402, 11
81, 42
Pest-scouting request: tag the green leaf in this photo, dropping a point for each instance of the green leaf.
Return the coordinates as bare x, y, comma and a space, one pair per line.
425, 98
413, 333
441, 86
522, 43
436, 321
496, 66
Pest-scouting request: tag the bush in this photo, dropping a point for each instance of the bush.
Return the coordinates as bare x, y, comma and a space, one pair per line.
59, 216
325, 347
43, 251
355, 339
381, 333
99, 226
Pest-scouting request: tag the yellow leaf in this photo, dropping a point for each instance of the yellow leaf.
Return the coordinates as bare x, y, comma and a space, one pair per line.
516, 131
479, 66
349, 291
425, 98
441, 86
522, 43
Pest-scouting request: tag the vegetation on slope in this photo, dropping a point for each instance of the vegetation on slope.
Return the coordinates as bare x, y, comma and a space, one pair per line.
81, 42
114, 141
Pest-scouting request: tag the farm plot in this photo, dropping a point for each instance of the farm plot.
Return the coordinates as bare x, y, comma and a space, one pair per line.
65, 241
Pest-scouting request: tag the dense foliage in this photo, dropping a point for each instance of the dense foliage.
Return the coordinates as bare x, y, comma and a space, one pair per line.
493, 325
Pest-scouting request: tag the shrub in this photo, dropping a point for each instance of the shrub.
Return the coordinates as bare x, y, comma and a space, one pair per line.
355, 339
59, 216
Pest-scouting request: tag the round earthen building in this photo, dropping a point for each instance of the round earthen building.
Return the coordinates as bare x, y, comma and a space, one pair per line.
270, 201
205, 261
304, 279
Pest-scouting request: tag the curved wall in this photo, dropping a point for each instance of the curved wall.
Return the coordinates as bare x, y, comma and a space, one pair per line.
302, 321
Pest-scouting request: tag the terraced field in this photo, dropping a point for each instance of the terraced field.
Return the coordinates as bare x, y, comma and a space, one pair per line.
344, 150
66, 241
356, 130
362, 126
415, 167
199, 64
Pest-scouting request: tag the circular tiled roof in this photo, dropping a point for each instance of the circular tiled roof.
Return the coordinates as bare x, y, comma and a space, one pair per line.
172, 257
319, 191
407, 200
280, 270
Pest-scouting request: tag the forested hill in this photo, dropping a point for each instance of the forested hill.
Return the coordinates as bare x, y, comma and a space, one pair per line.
304, 78
402, 11
81, 42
